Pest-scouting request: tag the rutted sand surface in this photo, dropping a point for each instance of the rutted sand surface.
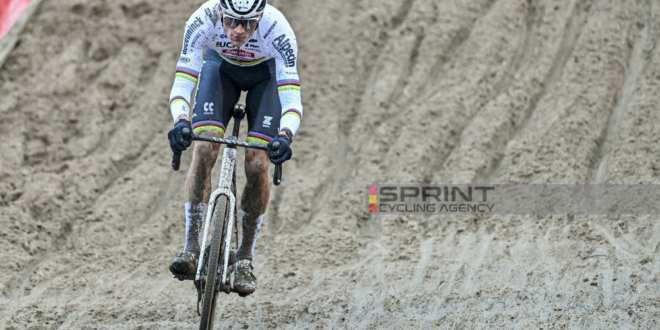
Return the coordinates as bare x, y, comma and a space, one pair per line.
478, 91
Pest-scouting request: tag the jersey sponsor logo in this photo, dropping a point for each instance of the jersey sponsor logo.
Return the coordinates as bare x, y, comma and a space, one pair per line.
224, 44
283, 46
227, 44
194, 42
208, 108
266, 122
184, 59
237, 52
210, 15
191, 29
252, 40
270, 30
223, 36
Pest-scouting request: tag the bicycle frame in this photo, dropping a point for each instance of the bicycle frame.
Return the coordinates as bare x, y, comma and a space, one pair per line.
224, 188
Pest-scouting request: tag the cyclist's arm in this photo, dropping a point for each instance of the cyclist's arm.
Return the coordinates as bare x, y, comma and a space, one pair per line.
288, 83
189, 64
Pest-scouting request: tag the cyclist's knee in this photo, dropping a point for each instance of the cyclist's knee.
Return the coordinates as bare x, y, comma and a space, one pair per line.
256, 163
207, 151
212, 133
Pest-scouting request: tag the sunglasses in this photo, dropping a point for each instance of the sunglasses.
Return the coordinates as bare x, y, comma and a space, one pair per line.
248, 24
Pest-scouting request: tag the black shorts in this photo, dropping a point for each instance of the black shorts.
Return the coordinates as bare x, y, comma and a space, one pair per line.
219, 88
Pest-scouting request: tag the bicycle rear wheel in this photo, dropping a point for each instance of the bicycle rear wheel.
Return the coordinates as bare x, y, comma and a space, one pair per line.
220, 216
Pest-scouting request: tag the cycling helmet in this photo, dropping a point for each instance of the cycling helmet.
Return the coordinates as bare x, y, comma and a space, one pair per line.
243, 8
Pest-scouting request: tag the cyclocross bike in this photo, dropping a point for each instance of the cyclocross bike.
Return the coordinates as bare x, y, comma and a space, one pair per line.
215, 265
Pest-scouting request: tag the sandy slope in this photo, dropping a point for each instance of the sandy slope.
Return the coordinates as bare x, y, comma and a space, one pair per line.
465, 91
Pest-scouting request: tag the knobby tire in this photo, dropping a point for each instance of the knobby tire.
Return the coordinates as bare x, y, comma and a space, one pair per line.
220, 215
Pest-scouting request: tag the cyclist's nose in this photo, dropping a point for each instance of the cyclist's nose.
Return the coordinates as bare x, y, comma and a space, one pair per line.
239, 29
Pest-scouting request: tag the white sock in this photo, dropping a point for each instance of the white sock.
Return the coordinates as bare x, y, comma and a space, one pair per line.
194, 220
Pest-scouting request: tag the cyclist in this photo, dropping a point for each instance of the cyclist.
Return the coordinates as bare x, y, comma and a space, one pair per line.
250, 47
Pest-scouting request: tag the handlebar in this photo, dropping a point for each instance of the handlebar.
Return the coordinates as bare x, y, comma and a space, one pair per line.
176, 159
277, 176
176, 162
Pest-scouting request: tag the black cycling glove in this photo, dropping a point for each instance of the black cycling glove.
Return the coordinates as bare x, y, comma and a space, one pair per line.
282, 153
180, 136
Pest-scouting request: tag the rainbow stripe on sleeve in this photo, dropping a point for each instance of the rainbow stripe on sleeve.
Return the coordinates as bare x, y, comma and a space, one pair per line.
293, 112
178, 99
187, 74
288, 85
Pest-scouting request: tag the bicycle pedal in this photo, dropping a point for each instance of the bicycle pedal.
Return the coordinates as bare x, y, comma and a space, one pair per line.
183, 277
225, 288
241, 294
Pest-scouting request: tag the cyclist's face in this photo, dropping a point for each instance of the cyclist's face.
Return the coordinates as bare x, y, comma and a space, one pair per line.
238, 30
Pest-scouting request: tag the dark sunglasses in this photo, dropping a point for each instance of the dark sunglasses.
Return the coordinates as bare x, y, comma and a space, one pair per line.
248, 24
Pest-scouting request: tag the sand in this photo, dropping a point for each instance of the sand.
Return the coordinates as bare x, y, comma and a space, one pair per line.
423, 91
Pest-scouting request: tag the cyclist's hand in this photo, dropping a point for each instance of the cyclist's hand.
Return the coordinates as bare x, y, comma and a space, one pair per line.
180, 136
279, 150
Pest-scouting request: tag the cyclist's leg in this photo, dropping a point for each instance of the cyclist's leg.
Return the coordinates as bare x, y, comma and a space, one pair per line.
262, 102
214, 102
263, 112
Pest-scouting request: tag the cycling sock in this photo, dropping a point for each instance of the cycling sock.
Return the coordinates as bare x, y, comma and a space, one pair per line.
251, 227
194, 219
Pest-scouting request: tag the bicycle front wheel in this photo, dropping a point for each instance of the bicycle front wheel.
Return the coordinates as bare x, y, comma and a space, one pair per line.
220, 217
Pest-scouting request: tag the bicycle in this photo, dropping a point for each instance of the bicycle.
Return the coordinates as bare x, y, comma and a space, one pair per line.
221, 216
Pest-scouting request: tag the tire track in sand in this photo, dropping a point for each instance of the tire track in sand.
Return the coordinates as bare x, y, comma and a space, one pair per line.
636, 65
477, 141
574, 28
456, 96
469, 287
389, 129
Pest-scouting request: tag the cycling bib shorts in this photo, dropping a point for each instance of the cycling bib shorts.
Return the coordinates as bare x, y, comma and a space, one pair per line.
219, 88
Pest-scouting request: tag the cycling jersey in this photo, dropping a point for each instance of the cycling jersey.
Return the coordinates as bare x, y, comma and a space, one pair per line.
272, 40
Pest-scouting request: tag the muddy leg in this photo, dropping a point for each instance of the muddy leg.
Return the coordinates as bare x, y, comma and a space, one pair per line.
254, 200
198, 189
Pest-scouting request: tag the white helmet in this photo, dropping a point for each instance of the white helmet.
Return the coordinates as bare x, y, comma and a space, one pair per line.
243, 8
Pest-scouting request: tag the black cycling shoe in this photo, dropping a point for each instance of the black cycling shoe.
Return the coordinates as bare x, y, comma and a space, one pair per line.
184, 267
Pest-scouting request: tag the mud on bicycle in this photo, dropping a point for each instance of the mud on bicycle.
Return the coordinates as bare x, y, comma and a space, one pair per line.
220, 222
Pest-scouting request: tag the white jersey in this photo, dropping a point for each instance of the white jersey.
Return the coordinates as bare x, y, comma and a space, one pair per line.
273, 39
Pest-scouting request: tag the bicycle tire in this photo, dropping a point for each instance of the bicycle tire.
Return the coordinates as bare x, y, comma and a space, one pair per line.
210, 295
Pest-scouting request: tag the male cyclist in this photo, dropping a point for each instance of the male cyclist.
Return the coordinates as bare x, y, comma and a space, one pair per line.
250, 47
